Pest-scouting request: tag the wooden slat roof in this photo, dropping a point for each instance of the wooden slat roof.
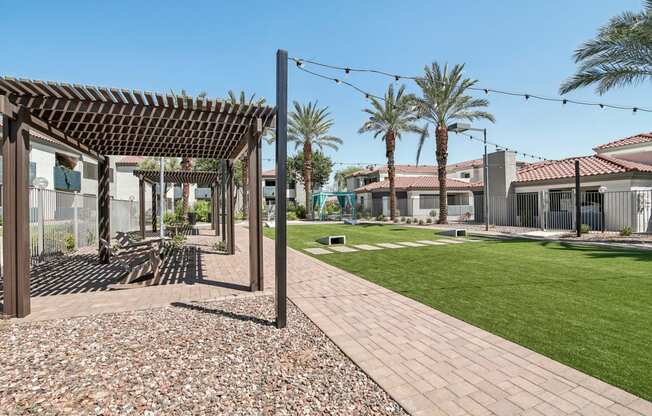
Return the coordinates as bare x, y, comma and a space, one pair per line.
111, 121
180, 176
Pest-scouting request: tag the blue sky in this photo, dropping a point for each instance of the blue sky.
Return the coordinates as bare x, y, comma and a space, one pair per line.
218, 45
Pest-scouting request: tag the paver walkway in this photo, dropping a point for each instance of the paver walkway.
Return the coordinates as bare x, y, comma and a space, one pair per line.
430, 362
434, 364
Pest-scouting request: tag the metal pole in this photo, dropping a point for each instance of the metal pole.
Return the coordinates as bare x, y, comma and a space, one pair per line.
578, 205
281, 186
161, 197
486, 184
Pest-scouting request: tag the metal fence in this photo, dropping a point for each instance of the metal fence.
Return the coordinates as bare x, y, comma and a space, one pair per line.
555, 210
62, 221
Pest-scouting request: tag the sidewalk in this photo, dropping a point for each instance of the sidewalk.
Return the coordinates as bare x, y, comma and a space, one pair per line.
434, 364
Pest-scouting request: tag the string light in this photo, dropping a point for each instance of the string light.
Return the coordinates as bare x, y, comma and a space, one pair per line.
300, 64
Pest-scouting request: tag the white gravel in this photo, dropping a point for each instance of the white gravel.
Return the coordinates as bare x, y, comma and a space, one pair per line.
212, 358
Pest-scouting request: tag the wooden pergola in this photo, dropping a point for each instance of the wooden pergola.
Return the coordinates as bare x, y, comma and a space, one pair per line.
109, 121
207, 178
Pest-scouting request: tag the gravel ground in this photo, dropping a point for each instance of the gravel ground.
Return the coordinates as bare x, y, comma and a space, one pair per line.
211, 358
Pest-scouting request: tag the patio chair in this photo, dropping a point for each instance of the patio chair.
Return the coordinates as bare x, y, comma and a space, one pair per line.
137, 258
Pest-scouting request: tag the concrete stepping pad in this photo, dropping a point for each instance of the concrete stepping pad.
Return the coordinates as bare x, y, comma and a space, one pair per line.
452, 241
367, 247
411, 244
317, 251
343, 249
390, 245
431, 242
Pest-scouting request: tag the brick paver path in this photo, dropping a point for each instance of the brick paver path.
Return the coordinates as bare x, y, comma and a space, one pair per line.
434, 364
430, 362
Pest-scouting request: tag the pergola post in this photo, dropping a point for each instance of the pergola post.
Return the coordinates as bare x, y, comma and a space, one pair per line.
15, 189
154, 207
215, 208
222, 205
230, 206
254, 161
103, 205
141, 205
281, 186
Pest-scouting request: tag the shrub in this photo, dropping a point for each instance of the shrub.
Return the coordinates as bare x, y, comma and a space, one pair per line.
169, 218
408, 220
429, 220
176, 242
220, 246
584, 229
292, 216
626, 232
421, 222
201, 210
402, 219
415, 220
300, 211
396, 220
380, 217
69, 243
239, 215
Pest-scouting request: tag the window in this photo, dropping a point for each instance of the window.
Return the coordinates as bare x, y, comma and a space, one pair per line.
457, 199
465, 175
428, 201
90, 171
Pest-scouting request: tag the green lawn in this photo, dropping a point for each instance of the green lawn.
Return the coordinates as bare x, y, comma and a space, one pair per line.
588, 307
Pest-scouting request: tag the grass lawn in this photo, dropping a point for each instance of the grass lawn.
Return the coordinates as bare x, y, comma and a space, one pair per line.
587, 307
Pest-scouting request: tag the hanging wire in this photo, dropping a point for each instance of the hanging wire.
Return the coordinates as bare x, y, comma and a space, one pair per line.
369, 95
300, 62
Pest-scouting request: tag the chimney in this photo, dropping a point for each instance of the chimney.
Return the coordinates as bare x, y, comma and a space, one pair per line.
502, 172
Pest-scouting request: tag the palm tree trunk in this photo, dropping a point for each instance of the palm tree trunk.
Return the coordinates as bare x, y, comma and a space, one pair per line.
390, 145
442, 160
186, 164
307, 177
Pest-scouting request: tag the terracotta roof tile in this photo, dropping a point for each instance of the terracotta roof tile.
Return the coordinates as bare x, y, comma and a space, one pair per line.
589, 166
131, 160
405, 169
406, 183
639, 138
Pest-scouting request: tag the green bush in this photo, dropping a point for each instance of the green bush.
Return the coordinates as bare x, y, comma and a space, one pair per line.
429, 220
626, 232
408, 220
300, 211
169, 218
380, 217
69, 243
422, 222
201, 210
402, 219
239, 215
220, 246
584, 229
292, 216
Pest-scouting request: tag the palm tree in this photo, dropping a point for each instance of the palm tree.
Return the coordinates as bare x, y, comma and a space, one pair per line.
443, 101
620, 54
242, 100
308, 126
390, 119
